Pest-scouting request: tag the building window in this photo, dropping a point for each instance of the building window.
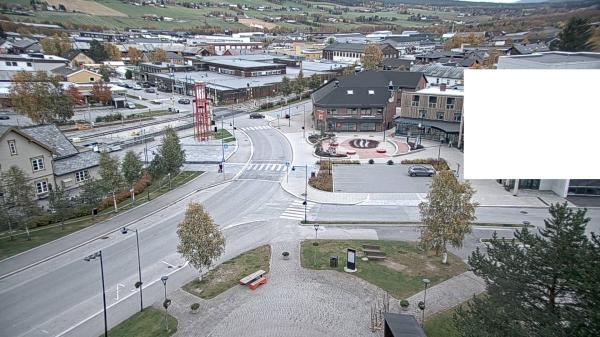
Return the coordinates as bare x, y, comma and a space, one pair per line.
432, 102
12, 145
423, 113
457, 117
440, 115
350, 92
450, 103
82, 176
365, 112
29, 64
371, 92
415, 101
332, 111
354, 111
91, 79
37, 164
380, 111
41, 187
367, 127
348, 126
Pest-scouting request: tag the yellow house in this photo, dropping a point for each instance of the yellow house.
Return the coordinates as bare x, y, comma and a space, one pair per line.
77, 58
79, 76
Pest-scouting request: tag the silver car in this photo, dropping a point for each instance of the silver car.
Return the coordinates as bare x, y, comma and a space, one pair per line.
420, 170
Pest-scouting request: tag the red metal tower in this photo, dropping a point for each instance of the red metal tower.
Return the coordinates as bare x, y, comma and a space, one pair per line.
201, 113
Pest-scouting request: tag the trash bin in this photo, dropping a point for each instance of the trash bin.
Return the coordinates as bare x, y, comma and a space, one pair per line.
333, 261
95, 211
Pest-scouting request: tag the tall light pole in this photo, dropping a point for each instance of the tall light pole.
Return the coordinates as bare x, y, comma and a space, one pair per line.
167, 302
316, 227
304, 120
88, 259
222, 145
139, 283
305, 190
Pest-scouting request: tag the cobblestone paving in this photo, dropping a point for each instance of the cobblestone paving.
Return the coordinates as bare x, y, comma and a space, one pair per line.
294, 302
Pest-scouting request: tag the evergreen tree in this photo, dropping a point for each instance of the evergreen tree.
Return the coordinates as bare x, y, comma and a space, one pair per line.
575, 35
314, 82
97, 52
286, 86
537, 284
170, 156
91, 194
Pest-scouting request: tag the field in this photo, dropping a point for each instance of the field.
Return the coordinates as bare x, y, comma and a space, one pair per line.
254, 22
86, 6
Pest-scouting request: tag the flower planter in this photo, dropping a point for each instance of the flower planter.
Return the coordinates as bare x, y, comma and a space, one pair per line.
286, 255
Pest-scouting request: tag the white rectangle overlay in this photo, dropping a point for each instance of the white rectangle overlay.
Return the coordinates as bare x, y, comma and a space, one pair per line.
532, 124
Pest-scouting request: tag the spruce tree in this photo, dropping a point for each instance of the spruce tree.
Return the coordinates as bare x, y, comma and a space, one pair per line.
575, 35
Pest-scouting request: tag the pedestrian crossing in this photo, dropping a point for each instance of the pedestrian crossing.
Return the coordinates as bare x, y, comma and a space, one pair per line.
254, 128
295, 210
266, 167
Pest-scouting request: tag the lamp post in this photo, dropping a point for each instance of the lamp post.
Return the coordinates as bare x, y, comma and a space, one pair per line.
304, 120
440, 148
316, 227
139, 283
222, 146
88, 259
305, 190
422, 305
167, 302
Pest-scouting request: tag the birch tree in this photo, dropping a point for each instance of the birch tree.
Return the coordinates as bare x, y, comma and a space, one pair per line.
200, 239
111, 176
446, 214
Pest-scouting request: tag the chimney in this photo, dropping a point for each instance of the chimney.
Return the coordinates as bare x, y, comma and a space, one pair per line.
443, 87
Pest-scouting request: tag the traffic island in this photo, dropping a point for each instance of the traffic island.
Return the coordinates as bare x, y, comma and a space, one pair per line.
229, 273
148, 323
399, 270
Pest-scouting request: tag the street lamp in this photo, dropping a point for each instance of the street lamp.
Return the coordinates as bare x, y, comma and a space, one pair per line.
222, 145
422, 304
139, 283
167, 302
316, 227
440, 147
88, 259
305, 190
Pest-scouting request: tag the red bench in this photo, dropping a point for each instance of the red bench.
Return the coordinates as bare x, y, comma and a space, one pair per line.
257, 283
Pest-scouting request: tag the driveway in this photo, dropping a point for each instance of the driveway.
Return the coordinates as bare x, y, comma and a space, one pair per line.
377, 178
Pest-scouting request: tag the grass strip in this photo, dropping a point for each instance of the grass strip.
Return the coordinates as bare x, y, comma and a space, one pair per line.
229, 273
148, 323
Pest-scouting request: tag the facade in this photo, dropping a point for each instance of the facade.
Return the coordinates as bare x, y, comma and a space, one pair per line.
79, 76
242, 68
437, 74
366, 101
30, 62
354, 52
77, 58
47, 157
434, 113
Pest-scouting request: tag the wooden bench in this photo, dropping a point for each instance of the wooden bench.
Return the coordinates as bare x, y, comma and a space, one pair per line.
371, 247
254, 280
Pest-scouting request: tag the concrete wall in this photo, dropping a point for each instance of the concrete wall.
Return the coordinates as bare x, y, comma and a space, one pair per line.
558, 186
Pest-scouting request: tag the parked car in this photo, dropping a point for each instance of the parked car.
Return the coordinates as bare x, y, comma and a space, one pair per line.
2, 117
420, 170
184, 101
145, 85
130, 105
150, 90
256, 115
287, 116
137, 87
126, 85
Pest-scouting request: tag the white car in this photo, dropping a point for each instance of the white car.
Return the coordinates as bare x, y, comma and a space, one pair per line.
130, 105
137, 87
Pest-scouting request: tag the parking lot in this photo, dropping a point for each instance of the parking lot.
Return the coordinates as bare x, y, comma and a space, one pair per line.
377, 178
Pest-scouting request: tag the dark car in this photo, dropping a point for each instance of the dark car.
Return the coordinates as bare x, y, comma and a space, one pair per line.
145, 85
184, 101
4, 117
150, 90
287, 116
418, 170
256, 115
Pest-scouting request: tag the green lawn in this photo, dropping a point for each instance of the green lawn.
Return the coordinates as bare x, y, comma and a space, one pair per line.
42, 235
223, 134
148, 323
229, 273
400, 274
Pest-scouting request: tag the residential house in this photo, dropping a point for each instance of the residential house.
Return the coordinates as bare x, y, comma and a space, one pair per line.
77, 58
526, 49
366, 101
354, 52
433, 113
437, 73
47, 157
76, 75
397, 64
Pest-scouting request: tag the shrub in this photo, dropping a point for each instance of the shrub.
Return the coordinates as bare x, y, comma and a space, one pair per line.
404, 303
438, 165
390, 162
371, 161
195, 306
41, 220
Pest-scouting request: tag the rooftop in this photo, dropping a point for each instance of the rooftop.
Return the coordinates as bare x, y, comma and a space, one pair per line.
435, 90
77, 162
555, 57
52, 137
439, 70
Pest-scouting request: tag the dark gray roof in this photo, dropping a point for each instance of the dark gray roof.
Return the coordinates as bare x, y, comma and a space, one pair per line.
78, 162
351, 47
335, 93
395, 63
438, 70
51, 136
4, 129
64, 70
403, 325
530, 48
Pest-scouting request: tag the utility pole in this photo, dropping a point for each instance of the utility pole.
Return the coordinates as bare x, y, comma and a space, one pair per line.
304, 120
223, 146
